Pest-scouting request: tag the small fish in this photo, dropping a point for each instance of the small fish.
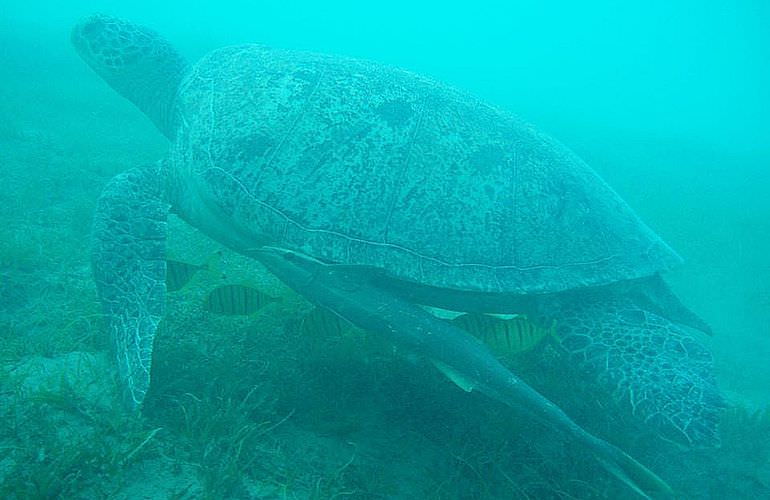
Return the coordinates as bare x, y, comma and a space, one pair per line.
178, 274
236, 300
504, 336
319, 321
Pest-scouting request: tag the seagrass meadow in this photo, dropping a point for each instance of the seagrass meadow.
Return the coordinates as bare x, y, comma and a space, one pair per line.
258, 393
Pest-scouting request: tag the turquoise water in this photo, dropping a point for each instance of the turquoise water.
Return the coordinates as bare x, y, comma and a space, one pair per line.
666, 100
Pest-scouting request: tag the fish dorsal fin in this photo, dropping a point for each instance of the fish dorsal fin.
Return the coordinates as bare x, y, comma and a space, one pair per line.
456, 377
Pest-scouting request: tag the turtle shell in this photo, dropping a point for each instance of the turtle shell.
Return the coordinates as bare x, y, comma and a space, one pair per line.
357, 163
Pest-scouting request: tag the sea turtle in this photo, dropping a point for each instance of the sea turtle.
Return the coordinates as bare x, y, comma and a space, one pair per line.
373, 191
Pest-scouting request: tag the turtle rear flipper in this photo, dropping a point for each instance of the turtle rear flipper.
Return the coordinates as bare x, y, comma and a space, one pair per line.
661, 371
128, 258
655, 295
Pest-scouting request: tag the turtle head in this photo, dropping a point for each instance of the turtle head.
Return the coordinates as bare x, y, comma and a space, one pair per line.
138, 63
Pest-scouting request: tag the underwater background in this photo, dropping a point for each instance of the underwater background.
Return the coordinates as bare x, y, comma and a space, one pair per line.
668, 101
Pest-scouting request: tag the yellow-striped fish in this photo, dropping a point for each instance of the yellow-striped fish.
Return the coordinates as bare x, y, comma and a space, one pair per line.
179, 273
236, 300
504, 336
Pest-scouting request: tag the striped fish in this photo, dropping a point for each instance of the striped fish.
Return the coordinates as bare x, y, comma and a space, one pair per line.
179, 273
236, 300
504, 336
319, 321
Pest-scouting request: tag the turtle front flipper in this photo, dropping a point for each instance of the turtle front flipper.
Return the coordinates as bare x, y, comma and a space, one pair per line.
129, 241
661, 372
